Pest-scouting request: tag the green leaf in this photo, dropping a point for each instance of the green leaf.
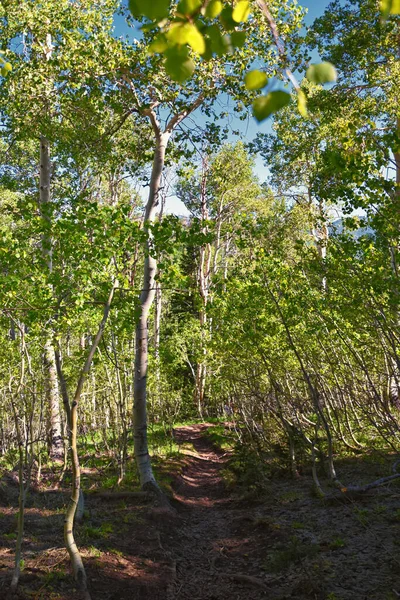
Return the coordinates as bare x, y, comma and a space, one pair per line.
195, 39
226, 18
178, 65
321, 73
159, 44
156, 9
302, 103
389, 7
213, 9
265, 106
255, 80
238, 39
187, 33
188, 7
150, 26
208, 54
241, 11
5, 68
177, 33
219, 42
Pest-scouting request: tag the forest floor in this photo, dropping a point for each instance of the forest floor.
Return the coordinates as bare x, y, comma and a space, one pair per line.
215, 543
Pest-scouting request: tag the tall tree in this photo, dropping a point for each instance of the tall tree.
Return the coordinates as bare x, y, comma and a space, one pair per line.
50, 37
152, 101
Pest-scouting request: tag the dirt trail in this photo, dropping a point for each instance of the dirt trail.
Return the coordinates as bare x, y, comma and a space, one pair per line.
288, 545
209, 547
216, 544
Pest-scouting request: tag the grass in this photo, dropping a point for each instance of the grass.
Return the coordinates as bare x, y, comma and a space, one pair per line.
54, 576
380, 509
220, 437
337, 543
94, 552
116, 552
161, 441
362, 515
289, 497
88, 532
9, 460
298, 525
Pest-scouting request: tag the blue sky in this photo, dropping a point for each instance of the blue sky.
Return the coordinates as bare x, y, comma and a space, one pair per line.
315, 8
248, 128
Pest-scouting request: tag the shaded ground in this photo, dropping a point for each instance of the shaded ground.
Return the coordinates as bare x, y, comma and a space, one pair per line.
216, 545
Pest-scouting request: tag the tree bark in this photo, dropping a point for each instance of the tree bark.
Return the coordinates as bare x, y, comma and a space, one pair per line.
22, 489
204, 285
70, 544
141, 449
147, 296
157, 317
55, 443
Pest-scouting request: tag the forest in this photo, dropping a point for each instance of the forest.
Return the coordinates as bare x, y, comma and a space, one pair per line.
199, 299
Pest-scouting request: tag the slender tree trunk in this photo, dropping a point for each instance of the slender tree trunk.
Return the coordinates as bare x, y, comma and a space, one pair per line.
22, 491
157, 324
204, 284
123, 430
157, 315
55, 444
157, 327
147, 296
51, 385
201, 371
141, 449
53, 403
320, 231
70, 544
394, 255
76, 559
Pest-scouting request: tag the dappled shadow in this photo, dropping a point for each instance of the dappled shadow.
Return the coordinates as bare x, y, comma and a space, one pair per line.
200, 484
122, 553
216, 545
121, 550
289, 544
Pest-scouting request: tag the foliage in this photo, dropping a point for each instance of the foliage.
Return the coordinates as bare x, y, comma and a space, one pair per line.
273, 316
217, 28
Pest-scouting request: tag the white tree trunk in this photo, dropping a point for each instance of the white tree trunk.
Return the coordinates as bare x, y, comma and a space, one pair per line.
204, 288
142, 456
147, 296
51, 384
